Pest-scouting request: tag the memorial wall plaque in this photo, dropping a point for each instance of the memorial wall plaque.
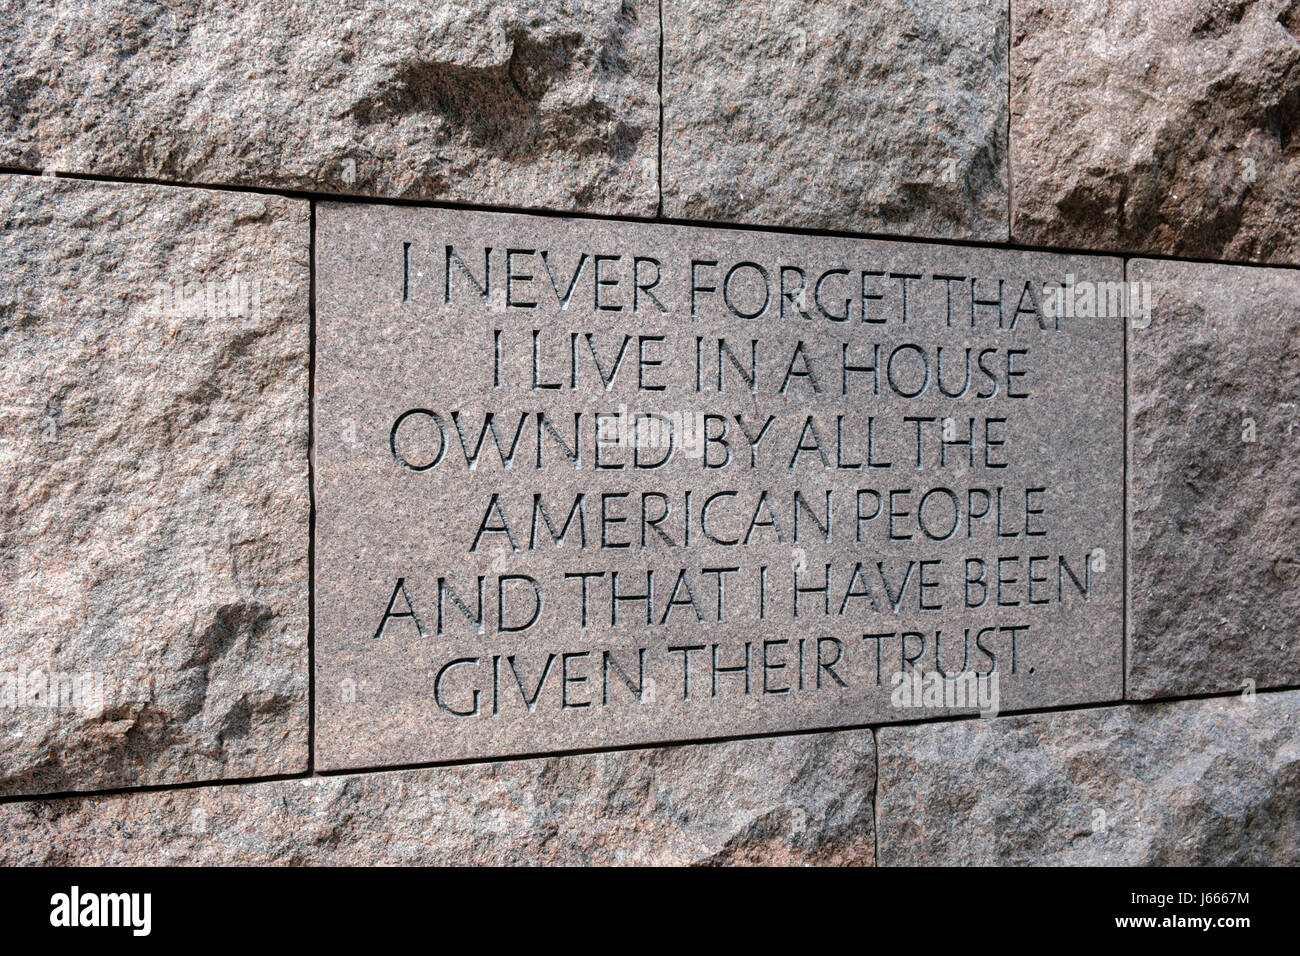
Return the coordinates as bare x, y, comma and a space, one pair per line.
587, 483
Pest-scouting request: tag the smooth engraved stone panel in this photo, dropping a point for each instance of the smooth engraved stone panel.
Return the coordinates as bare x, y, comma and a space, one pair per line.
588, 483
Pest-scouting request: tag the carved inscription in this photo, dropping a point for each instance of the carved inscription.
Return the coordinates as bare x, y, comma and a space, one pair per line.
585, 483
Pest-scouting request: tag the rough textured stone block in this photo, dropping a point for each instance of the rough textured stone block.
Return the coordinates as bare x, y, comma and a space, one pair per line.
789, 800
652, 568
1214, 489
526, 103
882, 116
1157, 127
153, 485
1192, 783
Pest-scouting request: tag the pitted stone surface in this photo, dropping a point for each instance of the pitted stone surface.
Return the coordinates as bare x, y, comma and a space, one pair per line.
153, 481
1214, 492
1157, 127
521, 103
868, 116
793, 800
1194, 783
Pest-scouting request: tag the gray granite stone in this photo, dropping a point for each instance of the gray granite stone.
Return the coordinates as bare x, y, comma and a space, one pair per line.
153, 485
792, 800
489, 101
1214, 491
419, 505
1191, 783
877, 117
1157, 127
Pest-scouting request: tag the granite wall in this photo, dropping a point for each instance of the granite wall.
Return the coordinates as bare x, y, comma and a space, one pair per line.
160, 165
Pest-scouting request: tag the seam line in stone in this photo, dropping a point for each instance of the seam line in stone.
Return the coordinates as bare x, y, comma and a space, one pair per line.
1124, 556
875, 794
1011, 202
652, 745
303, 194
311, 491
660, 168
